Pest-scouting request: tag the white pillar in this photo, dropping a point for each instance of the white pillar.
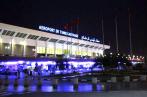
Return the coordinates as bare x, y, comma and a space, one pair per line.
46, 45
70, 49
24, 50
63, 48
67, 49
12, 47
35, 50
87, 51
54, 49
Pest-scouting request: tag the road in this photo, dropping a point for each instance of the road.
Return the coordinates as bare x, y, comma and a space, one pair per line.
102, 89
84, 94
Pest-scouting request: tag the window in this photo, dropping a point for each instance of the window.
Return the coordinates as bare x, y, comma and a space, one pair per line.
17, 34
34, 37
29, 36
53, 40
4, 32
12, 33
20, 35
46, 39
24, 35
43, 38
41, 50
8, 32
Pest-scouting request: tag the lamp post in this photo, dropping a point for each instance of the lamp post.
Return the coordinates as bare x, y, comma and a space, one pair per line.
116, 31
130, 33
103, 32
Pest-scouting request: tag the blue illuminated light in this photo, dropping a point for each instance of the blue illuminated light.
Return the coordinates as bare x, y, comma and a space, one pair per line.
70, 66
20, 62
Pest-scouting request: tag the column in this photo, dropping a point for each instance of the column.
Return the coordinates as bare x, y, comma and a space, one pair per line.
35, 53
1, 45
71, 50
63, 48
87, 50
24, 49
67, 49
78, 48
12, 47
54, 49
46, 45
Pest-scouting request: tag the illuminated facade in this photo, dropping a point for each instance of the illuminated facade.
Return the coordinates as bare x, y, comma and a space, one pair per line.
19, 41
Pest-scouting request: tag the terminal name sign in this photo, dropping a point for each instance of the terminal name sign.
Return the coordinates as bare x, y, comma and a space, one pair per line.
90, 39
57, 31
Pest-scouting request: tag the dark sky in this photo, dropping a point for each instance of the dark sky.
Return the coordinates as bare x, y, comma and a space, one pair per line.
31, 13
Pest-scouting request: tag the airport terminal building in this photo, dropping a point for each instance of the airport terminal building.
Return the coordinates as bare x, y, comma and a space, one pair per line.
46, 41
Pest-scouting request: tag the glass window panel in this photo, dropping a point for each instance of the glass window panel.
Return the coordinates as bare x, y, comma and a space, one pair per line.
29, 36
59, 51
20, 35
24, 35
50, 51
36, 37
4, 32
8, 32
32, 37
17, 34
41, 50
12, 33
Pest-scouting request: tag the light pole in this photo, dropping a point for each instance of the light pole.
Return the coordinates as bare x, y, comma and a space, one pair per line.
116, 33
130, 33
102, 23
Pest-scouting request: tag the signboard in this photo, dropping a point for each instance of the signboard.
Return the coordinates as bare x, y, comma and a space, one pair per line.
48, 29
57, 31
90, 39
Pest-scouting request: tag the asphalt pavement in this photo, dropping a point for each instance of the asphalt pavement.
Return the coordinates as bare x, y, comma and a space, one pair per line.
83, 94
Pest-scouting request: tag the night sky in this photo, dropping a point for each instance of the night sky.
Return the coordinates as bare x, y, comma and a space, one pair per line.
31, 13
